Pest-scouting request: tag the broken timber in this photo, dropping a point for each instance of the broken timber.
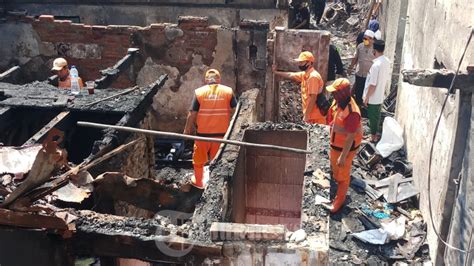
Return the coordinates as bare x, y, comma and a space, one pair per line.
183, 136
109, 75
64, 178
145, 193
23, 219
61, 117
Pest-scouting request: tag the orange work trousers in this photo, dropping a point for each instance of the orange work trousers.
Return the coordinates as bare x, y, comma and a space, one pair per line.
342, 175
204, 151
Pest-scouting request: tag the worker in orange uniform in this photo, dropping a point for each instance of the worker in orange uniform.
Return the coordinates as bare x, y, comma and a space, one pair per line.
60, 68
311, 86
346, 135
211, 110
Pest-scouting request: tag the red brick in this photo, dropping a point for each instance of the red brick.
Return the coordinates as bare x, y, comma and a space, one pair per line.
46, 18
64, 22
189, 22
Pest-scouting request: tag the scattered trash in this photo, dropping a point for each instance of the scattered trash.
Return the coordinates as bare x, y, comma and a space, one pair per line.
395, 228
379, 214
15, 160
374, 236
298, 236
392, 137
320, 179
72, 193
368, 155
319, 200
352, 225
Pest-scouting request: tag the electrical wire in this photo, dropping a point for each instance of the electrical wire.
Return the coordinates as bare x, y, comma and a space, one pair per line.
431, 156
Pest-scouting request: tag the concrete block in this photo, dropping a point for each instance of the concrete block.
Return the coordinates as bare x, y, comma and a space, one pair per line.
265, 232
253, 232
227, 231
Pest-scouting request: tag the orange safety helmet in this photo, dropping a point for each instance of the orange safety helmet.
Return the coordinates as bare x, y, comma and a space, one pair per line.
212, 76
305, 56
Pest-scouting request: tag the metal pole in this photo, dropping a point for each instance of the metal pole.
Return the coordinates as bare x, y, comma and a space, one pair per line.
183, 136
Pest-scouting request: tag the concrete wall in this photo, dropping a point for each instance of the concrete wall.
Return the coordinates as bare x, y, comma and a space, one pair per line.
417, 111
143, 15
392, 20
435, 30
462, 221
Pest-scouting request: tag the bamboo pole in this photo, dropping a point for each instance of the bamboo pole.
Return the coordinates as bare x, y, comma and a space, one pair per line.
183, 136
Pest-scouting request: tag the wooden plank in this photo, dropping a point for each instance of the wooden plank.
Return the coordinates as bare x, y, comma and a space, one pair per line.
43, 131
22, 219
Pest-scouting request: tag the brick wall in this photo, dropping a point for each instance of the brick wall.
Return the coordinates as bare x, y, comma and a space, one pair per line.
92, 48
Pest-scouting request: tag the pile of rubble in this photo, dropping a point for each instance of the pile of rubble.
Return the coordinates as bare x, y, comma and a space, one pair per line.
345, 17
381, 222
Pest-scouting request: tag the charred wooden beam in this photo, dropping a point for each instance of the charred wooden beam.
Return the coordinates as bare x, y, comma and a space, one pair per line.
113, 138
145, 193
60, 118
109, 75
128, 237
9, 73
157, 249
28, 220
440, 78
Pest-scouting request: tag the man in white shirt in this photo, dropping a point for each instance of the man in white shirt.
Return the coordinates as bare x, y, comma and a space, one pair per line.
377, 80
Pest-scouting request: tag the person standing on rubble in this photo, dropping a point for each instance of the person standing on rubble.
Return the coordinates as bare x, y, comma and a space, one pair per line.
311, 87
335, 65
61, 69
318, 9
301, 16
377, 79
210, 113
363, 59
345, 137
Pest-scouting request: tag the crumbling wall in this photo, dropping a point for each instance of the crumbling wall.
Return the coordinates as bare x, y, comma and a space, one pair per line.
184, 51
435, 31
316, 42
145, 13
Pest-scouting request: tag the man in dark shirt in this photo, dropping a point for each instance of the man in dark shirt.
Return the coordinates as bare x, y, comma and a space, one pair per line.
301, 20
318, 8
335, 65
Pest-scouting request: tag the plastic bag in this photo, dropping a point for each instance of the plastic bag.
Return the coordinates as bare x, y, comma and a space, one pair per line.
392, 137
396, 228
374, 236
